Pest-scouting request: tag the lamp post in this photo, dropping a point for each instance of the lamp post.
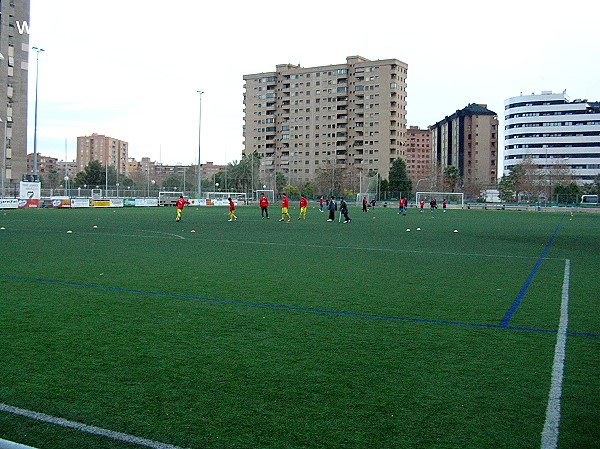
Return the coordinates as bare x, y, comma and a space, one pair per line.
199, 135
37, 66
66, 178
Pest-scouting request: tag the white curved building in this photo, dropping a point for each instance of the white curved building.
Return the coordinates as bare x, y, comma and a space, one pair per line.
553, 131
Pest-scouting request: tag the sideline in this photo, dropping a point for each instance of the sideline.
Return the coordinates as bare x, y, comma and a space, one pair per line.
85, 428
550, 432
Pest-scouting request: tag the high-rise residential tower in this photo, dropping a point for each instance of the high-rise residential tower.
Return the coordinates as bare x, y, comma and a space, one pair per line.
467, 140
417, 153
555, 134
349, 116
107, 150
14, 47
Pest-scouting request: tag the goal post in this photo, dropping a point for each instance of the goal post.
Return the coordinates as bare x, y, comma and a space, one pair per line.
452, 198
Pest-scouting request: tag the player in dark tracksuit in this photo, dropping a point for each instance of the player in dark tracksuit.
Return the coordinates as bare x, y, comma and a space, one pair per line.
344, 210
331, 207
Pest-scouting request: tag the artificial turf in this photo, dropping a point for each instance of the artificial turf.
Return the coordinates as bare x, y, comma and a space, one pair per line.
262, 334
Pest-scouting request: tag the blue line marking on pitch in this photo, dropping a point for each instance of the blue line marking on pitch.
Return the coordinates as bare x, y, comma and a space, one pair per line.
521, 295
286, 307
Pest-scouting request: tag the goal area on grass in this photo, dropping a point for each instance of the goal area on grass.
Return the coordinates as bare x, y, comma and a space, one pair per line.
455, 198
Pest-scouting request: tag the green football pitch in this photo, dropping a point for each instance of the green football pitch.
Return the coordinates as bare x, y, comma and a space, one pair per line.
136, 331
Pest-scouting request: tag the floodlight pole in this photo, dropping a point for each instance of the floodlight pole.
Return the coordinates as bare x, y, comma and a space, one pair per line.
37, 66
199, 137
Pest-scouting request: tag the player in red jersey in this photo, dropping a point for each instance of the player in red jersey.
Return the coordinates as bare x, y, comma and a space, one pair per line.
303, 206
180, 203
232, 216
264, 206
285, 203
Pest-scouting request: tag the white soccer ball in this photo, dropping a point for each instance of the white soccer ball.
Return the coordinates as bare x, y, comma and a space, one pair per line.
69, 232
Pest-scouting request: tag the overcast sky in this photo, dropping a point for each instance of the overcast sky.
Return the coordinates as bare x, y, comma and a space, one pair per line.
127, 69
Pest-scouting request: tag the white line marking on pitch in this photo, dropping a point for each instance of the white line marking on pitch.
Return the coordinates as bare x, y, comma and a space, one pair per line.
349, 248
165, 233
85, 428
550, 432
389, 250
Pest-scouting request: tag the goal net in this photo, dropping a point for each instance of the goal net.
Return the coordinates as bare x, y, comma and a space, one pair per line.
452, 198
168, 198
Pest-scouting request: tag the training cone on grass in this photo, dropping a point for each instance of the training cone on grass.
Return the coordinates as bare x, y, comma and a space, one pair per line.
69, 232
193, 231
408, 230
456, 230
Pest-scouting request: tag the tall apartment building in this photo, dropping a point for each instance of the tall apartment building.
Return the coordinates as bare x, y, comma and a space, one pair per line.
14, 47
555, 133
467, 140
417, 153
303, 120
107, 150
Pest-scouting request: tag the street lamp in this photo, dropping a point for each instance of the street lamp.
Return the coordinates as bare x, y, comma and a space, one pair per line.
66, 178
37, 65
199, 134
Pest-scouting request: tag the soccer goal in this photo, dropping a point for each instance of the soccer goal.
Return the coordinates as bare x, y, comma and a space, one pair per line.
168, 198
454, 198
220, 198
96, 194
270, 194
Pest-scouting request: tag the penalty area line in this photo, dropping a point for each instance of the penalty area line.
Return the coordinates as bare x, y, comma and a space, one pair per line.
93, 430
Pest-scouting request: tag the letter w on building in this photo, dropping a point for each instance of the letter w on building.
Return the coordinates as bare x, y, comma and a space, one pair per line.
23, 27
